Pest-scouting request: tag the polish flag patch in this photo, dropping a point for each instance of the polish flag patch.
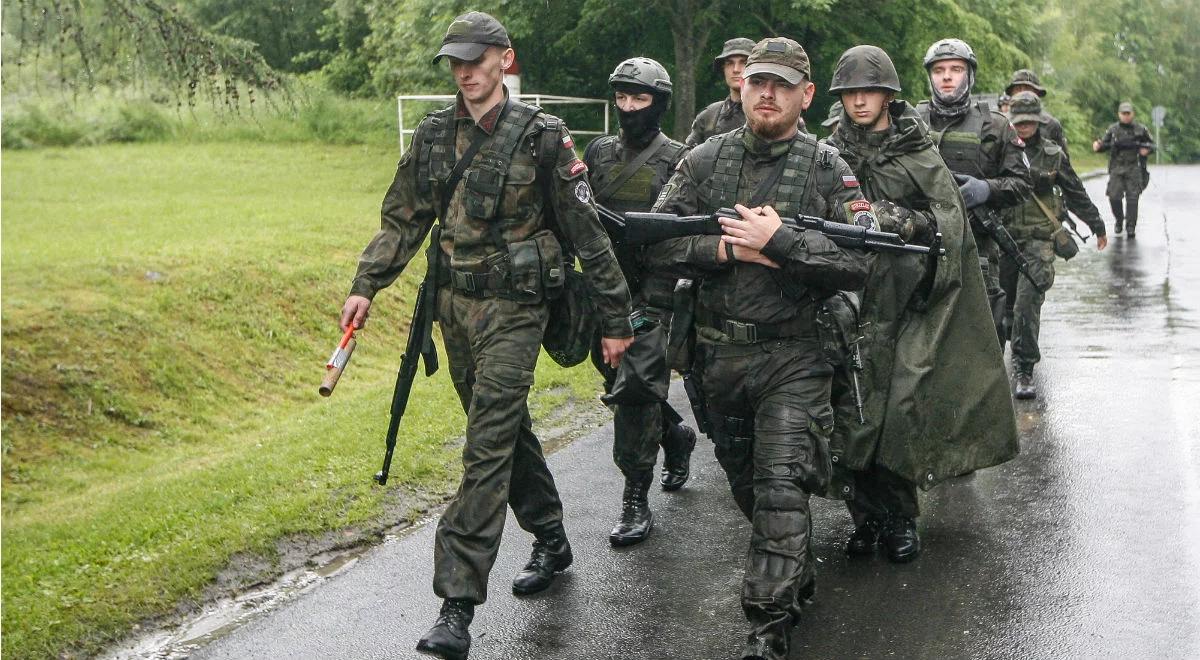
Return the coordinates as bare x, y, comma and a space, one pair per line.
567, 142
850, 181
578, 166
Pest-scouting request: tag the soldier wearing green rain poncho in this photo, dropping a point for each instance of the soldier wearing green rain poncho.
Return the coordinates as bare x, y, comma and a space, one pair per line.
934, 390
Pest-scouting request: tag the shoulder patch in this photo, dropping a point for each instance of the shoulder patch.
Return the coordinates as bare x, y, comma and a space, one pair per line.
567, 142
582, 192
577, 166
850, 181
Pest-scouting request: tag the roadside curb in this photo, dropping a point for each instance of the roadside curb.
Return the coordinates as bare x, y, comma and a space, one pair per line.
1092, 175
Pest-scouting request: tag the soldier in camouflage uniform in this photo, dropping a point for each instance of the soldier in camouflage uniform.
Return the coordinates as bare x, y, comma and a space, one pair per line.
724, 115
627, 171
1130, 144
764, 376
1024, 80
491, 219
914, 312
980, 147
1032, 225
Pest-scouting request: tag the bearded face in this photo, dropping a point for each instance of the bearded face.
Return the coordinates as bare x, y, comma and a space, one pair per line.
772, 105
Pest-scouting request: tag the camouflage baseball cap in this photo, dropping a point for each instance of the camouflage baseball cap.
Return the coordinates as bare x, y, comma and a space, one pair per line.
1024, 107
1125, 106
779, 56
1027, 78
470, 34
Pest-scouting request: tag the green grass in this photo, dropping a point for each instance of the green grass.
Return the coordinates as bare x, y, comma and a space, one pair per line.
167, 309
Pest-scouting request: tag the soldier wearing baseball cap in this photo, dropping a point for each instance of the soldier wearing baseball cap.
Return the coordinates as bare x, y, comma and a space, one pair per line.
1128, 175
493, 291
470, 35
760, 287
1024, 80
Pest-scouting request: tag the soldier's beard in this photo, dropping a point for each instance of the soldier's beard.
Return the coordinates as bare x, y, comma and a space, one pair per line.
779, 126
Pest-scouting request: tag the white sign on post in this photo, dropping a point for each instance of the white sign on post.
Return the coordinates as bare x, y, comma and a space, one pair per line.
1157, 114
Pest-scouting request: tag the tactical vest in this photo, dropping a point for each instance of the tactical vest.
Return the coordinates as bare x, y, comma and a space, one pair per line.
483, 182
793, 188
1028, 220
962, 148
639, 192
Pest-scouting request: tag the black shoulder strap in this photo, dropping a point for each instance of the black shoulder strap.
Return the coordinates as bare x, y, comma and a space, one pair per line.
636, 164
463, 163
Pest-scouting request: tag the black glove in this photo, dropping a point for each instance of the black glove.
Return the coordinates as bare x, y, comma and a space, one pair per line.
975, 192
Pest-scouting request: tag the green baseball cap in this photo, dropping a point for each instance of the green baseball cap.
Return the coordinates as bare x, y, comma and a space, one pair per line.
470, 34
779, 56
1125, 106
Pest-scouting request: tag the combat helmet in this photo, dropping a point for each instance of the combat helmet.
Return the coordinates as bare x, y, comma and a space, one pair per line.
642, 73
950, 49
1027, 78
1024, 107
864, 67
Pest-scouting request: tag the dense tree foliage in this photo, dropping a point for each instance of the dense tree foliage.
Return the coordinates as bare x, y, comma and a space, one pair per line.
1090, 55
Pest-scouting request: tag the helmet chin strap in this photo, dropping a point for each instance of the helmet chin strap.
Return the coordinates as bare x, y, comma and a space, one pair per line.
955, 103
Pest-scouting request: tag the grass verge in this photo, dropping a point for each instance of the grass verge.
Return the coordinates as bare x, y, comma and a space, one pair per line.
167, 309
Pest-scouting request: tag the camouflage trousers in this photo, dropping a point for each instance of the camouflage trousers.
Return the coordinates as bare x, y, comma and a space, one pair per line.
1023, 311
879, 493
492, 345
783, 386
1126, 184
638, 430
989, 264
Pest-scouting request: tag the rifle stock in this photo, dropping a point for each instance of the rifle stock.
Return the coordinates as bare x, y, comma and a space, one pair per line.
985, 221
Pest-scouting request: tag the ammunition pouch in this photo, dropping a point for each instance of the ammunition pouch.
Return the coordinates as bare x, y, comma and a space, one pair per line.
1064, 243
535, 268
681, 343
731, 434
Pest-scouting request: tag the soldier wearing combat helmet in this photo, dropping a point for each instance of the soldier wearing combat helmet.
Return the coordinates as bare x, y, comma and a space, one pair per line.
498, 265
1033, 226
627, 171
763, 374
914, 312
980, 147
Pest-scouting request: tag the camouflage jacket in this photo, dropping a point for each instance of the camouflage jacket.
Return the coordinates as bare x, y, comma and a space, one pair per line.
1123, 140
414, 199
606, 158
811, 265
719, 117
1049, 166
1053, 130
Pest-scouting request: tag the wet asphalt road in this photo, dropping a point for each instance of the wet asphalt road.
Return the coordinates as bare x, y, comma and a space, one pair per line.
1086, 546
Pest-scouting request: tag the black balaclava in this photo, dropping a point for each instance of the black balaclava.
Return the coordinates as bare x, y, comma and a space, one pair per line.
954, 104
639, 127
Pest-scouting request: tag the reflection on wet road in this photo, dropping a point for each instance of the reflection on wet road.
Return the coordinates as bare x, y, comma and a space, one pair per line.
1086, 546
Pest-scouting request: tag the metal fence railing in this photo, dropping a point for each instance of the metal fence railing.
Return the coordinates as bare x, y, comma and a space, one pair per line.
536, 99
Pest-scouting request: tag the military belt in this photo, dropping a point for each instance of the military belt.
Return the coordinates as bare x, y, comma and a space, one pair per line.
478, 284
744, 332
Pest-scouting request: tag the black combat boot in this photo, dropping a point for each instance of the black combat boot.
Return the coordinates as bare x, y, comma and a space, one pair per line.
899, 536
551, 554
636, 517
678, 443
448, 638
769, 638
1024, 388
862, 542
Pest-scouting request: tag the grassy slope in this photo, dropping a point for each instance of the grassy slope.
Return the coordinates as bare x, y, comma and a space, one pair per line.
167, 309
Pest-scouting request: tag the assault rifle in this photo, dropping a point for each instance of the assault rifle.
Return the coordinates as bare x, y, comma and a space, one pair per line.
984, 220
420, 346
646, 228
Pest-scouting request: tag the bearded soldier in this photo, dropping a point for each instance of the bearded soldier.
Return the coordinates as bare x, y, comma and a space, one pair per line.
980, 147
1033, 225
763, 375
1130, 144
914, 312
627, 172
492, 307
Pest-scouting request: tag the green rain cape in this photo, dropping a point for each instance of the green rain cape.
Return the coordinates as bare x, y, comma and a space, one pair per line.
934, 389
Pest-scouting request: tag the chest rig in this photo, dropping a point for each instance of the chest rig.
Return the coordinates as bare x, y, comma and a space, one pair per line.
483, 182
962, 147
640, 190
793, 187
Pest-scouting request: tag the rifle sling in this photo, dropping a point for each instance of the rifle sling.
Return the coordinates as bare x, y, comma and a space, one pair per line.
634, 165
